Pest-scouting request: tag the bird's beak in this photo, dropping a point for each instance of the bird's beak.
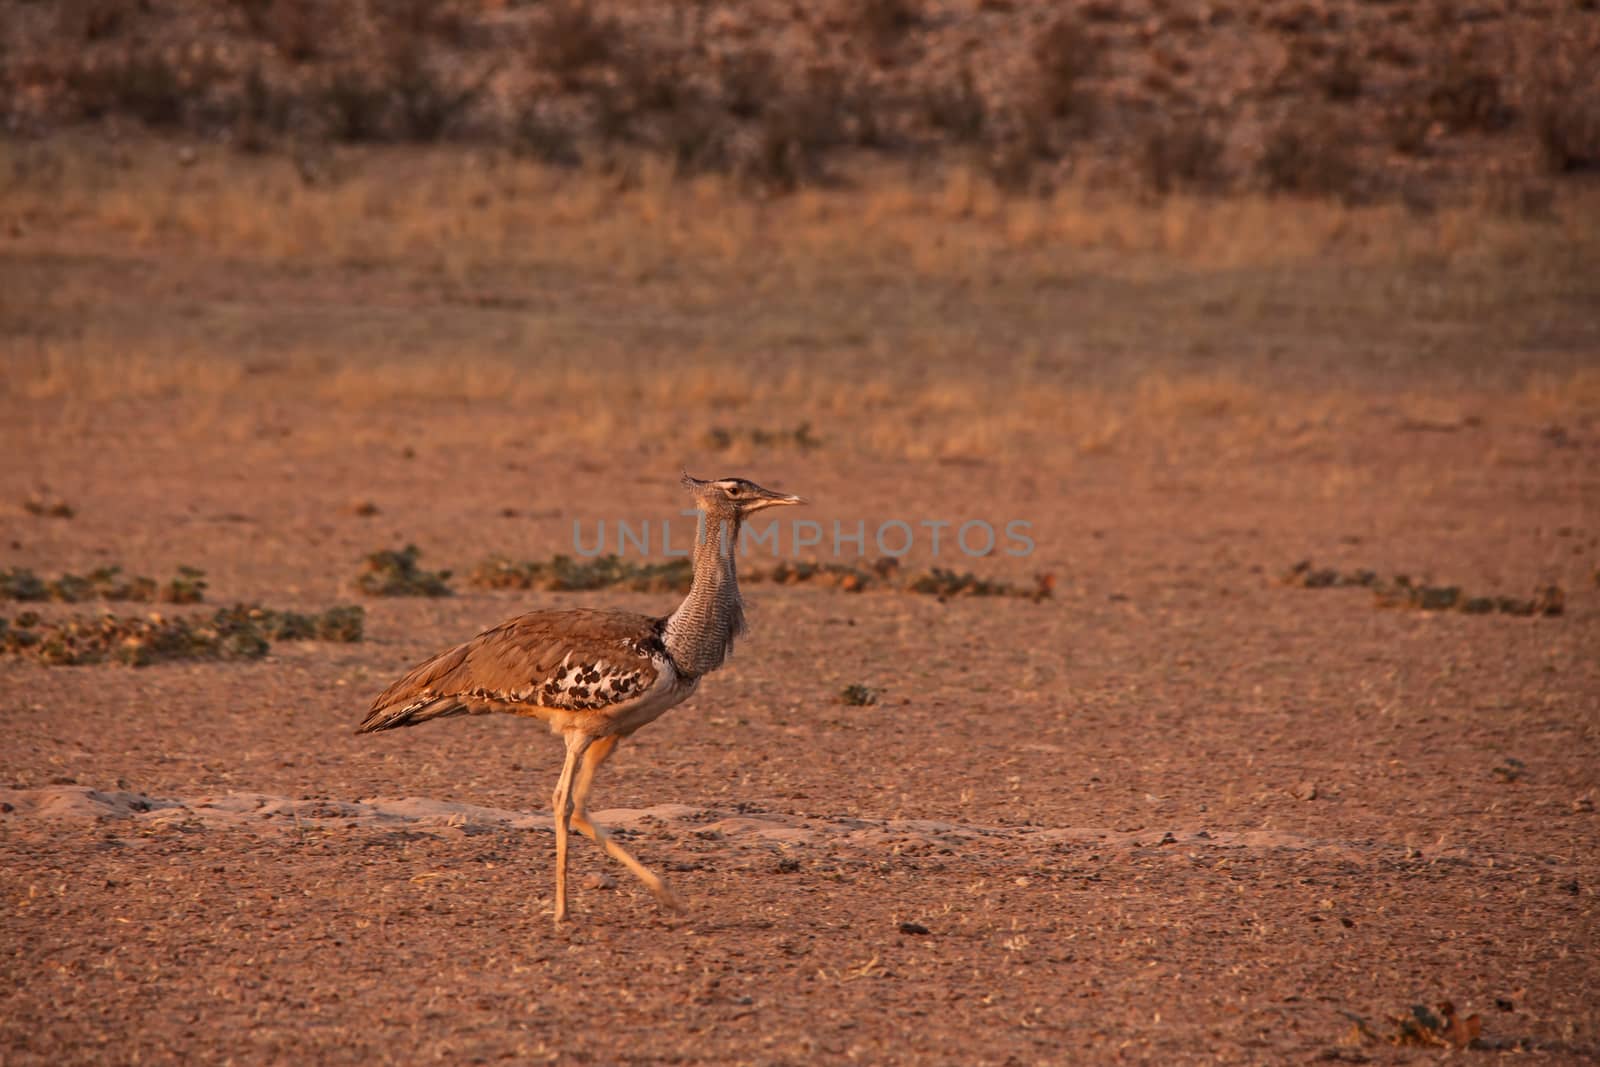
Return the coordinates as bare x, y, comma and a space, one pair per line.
776, 500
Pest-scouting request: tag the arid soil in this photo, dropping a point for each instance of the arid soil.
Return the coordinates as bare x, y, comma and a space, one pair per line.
1180, 811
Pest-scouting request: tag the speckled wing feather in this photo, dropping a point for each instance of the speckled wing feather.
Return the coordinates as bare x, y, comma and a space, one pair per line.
573, 660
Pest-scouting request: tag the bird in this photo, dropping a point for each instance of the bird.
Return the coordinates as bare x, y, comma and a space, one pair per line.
595, 676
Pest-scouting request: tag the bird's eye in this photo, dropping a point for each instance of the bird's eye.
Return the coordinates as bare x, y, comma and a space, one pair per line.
735, 490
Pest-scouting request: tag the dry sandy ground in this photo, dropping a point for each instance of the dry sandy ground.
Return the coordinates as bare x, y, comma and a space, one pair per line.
1178, 813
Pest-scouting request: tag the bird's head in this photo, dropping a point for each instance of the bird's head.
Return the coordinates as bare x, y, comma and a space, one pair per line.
727, 498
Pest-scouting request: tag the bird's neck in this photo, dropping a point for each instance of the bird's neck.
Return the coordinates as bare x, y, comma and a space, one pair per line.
700, 634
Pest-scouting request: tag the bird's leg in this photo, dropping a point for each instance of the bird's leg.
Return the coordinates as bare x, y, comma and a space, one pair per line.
561, 803
580, 821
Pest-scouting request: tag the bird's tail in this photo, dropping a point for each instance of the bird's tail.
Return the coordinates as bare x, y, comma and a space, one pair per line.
389, 716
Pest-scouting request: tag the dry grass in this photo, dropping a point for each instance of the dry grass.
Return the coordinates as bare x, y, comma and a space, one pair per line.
460, 211
1007, 417
639, 307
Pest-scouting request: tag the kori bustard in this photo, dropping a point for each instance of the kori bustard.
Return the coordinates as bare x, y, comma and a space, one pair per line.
595, 676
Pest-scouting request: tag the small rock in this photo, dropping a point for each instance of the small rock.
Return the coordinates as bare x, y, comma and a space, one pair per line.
1583, 803
597, 880
916, 929
1306, 791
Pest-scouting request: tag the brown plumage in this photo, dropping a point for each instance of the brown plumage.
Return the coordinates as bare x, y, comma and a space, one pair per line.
594, 676
577, 660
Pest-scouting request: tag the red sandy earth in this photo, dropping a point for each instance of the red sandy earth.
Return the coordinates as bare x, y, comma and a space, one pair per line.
1178, 813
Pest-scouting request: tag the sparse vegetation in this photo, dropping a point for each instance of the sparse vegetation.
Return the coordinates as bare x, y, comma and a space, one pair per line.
1341, 78
858, 696
1310, 156
242, 632
390, 572
49, 507
1406, 126
885, 574
957, 108
1402, 592
571, 41
1463, 88
1064, 54
160, 87
944, 583
840, 576
722, 438
1182, 155
102, 583
602, 85
1566, 128
561, 573
429, 99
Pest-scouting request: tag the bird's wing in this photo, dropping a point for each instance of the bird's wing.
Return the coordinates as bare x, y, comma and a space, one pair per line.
573, 660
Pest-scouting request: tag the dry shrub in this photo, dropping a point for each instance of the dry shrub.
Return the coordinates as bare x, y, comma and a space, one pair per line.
1567, 131
656, 98
696, 136
1463, 89
429, 99
1103, 11
1514, 197
570, 40
1183, 155
90, 20
1340, 78
412, 95
1017, 141
1297, 18
1562, 101
538, 134
1405, 127
881, 23
1063, 55
796, 133
749, 81
437, 21
957, 109
300, 30
1311, 156
656, 77
264, 110
354, 105
1393, 51
159, 87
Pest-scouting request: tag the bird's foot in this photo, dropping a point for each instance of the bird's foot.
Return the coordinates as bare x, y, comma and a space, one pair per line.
668, 899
